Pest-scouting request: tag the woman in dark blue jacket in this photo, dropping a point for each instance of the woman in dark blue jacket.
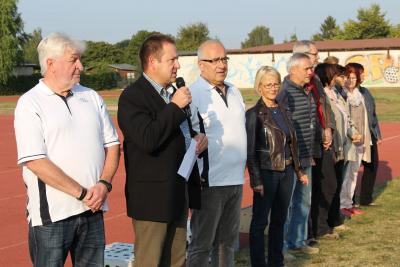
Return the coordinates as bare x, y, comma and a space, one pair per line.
272, 160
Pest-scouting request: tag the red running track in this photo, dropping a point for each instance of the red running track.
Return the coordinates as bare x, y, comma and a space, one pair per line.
13, 225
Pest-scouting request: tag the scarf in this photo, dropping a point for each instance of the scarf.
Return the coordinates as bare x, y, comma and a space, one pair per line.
312, 87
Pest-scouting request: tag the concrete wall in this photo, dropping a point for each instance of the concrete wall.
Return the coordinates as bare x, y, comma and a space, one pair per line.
382, 70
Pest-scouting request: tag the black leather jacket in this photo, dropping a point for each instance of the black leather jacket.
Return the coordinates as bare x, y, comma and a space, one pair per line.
266, 143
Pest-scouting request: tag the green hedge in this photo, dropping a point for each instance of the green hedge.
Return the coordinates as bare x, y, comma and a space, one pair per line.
97, 81
19, 85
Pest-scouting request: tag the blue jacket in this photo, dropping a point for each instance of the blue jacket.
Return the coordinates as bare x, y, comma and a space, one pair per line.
371, 113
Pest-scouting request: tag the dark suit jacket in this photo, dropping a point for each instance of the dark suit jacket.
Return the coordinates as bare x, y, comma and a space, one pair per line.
154, 147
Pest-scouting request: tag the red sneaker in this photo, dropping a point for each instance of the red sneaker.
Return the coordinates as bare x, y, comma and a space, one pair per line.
356, 211
346, 212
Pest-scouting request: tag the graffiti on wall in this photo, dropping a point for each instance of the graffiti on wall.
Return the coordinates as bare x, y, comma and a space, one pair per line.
242, 71
379, 68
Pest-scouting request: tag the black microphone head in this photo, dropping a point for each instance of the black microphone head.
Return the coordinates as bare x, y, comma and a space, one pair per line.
180, 82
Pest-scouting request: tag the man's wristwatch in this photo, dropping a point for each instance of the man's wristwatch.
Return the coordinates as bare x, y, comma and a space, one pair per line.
107, 184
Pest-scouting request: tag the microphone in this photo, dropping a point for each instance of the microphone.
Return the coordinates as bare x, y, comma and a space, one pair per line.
180, 82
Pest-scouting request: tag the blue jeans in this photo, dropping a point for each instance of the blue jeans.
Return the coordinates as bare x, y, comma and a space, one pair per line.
278, 189
82, 235
297, 219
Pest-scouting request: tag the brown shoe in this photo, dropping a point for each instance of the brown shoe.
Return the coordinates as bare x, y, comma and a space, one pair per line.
330, 236
288, 257
305, 250
341, 228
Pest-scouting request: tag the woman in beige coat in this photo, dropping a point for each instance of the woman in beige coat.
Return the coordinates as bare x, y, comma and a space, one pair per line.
359, 148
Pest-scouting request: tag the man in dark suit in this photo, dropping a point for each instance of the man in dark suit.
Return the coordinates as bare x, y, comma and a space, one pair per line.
156, 129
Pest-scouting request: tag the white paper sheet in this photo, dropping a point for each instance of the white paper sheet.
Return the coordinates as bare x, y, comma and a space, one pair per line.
188, 161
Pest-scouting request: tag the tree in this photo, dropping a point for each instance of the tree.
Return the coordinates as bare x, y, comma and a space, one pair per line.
191, 36
293, 37
29, 48
328, 30
122, 44
132, 51
395, 31
101, 54
258, 36
11, 33
370, 24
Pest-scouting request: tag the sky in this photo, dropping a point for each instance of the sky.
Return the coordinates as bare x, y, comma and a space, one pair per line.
230, 21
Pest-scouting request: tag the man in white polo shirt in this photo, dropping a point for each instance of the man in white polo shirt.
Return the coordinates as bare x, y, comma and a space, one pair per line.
219, 112
69, 151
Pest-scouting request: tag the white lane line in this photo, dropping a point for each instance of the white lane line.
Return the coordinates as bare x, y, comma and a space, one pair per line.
14, 245
13, 197
10, 170
115, 216
390, 138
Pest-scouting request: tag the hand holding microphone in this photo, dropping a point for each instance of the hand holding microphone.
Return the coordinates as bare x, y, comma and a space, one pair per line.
182, 97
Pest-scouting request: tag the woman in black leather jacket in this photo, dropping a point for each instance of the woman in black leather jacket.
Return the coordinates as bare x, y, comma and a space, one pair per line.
272, 160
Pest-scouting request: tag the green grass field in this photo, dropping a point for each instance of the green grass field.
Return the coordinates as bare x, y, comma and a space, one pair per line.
373, 238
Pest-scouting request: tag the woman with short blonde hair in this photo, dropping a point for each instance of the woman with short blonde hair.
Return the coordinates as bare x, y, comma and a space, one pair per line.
272, 159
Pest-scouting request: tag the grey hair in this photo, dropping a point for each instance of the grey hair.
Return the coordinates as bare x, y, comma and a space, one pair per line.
200, 50
54, 46
294, 60
303, 46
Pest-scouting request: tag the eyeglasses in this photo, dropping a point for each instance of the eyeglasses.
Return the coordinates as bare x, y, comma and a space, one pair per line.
271, 85
215, 61
312, 54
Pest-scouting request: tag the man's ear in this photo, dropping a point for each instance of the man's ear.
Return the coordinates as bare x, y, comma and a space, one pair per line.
152, 61
49, 64
200, 64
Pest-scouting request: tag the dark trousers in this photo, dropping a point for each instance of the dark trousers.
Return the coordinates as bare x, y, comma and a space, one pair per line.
334, 217
278, 188
81, 235
369, 175
323, 190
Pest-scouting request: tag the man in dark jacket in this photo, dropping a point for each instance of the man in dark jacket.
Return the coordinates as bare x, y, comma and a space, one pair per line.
301, 104
151, 115
324, 182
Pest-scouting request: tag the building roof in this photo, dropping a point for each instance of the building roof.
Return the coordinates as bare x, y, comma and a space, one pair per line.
329, 45
123, 67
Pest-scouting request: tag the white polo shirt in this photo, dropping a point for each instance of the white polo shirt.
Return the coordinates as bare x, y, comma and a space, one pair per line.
72, 132
224, 124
